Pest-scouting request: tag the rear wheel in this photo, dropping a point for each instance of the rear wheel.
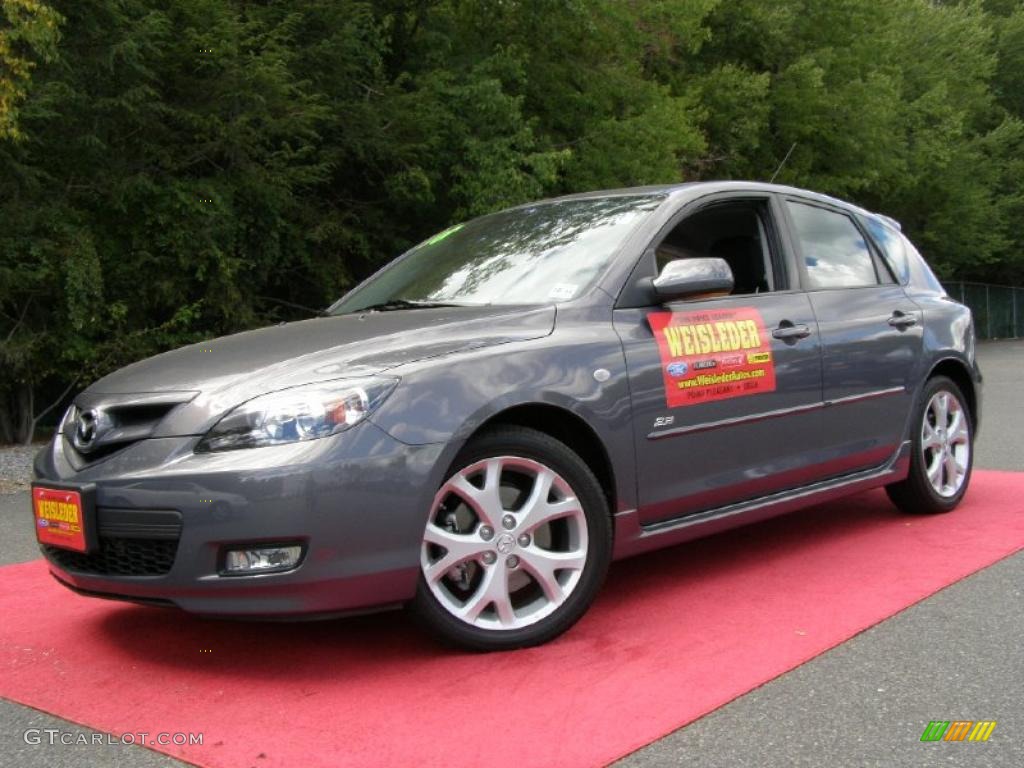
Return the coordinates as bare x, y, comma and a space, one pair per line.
517, 543
943, 452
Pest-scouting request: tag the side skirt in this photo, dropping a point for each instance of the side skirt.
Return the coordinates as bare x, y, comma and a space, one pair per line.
632, 538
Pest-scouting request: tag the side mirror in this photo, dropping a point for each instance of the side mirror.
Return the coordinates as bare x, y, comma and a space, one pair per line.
688, 277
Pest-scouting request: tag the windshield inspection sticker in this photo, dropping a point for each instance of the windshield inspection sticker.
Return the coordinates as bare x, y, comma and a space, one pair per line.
713, 354
562, 291
442, 235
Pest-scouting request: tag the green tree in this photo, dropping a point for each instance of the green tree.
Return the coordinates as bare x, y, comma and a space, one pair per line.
176, 169
29, 34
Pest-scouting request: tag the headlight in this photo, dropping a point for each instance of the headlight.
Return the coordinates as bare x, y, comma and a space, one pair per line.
301, 413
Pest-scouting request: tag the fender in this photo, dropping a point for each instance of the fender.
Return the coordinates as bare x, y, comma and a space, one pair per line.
447, 401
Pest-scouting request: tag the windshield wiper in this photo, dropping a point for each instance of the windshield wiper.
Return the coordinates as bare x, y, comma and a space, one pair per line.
303, 307
393, 304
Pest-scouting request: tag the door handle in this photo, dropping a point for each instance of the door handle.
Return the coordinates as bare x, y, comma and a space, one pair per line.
789, 332
902, 320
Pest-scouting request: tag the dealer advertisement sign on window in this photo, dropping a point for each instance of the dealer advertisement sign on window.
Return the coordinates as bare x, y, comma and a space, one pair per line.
713, 354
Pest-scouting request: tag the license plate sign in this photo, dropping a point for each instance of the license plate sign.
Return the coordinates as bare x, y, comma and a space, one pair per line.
60, 518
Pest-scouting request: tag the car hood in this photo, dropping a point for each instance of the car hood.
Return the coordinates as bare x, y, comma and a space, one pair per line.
204, 380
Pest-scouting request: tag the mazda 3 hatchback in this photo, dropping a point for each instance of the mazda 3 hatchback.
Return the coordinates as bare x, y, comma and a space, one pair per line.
482, 426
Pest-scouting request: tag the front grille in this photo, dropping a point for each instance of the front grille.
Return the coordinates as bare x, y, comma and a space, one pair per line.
117, 523
119, 557
132, 542
99, 425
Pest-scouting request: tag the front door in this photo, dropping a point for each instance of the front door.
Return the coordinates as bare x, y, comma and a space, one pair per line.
726, 392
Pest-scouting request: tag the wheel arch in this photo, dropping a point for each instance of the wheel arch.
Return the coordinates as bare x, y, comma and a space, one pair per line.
568, 428
958, 371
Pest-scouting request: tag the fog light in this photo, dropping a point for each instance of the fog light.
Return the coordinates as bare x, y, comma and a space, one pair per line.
262, 559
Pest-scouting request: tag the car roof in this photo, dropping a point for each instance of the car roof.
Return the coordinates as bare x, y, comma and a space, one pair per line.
680, 192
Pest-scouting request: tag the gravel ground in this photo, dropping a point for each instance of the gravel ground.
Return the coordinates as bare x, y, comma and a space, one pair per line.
16, 466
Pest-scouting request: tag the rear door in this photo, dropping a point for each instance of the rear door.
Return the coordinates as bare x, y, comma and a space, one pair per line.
871, 335
726, 392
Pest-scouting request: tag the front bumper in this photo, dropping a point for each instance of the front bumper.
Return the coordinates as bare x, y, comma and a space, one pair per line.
357, 502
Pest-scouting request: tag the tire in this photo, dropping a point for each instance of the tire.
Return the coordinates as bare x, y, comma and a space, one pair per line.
932, 443
516, 545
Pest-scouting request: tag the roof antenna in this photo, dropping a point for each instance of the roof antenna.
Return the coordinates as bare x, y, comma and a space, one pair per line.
772, 180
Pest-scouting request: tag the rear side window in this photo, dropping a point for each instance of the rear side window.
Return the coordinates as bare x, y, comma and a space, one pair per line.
833, 248
891, 243
923, 275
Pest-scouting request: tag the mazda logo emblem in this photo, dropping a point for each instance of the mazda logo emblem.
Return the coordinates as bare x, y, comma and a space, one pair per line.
88, 425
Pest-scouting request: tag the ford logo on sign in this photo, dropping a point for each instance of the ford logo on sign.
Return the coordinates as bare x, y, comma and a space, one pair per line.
677, 370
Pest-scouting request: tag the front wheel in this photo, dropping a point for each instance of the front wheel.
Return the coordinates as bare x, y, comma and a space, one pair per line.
943, 452
517, 543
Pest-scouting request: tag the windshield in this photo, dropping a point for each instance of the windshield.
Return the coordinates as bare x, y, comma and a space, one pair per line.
548, 252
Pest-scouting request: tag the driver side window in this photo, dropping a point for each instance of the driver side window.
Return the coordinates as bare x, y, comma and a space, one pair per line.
733, 231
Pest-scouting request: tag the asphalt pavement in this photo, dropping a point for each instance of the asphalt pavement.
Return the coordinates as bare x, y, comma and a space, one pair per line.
955, 655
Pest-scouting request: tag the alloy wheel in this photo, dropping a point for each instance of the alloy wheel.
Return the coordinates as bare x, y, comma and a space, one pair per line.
945, 443
506, 543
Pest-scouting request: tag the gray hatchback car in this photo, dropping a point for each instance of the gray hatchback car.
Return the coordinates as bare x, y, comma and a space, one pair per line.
483, 425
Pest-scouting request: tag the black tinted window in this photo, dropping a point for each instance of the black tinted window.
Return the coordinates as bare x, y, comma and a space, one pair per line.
833, 248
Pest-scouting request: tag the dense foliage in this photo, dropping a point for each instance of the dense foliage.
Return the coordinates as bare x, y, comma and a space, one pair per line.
175, 169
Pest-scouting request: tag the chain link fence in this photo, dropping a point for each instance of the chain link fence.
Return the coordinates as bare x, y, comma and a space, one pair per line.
998, 309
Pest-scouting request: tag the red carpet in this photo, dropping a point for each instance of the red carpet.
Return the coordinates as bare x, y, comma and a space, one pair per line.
674, 635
